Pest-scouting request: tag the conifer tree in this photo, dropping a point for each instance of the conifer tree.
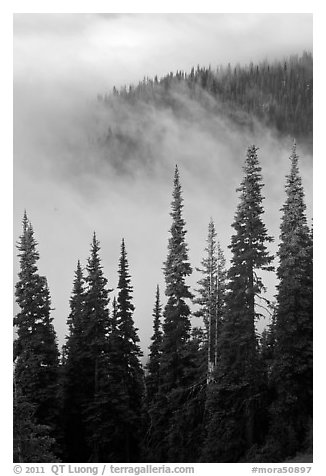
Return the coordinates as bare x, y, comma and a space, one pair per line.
118, 412
35, 348
74, 372
236, 396
95, 353
126, 370
208, 295
153, 366
177, 356
212, 295
292, 369
176, 326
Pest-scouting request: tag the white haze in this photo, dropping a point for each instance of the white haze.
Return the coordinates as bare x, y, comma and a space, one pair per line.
71, 185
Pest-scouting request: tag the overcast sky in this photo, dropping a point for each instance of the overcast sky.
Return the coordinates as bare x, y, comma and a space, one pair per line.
61, 62
92, 52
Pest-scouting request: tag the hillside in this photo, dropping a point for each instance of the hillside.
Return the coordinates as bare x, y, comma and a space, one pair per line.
278, 94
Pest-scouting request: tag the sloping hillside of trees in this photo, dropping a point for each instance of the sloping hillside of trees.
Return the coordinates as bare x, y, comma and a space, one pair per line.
279, 94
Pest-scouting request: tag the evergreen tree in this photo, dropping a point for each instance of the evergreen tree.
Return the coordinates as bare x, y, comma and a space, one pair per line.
95, 354
118, 409
153, 366
74, 366
186, 406
176, 326
35, 348
177, 357
126, 371
212, 295
292, 369
236, 397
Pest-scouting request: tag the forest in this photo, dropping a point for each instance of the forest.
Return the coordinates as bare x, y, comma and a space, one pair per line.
219, 392
278, 94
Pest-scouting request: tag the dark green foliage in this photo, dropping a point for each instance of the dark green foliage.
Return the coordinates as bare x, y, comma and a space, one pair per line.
292, 368
35, 347
153, 366
235, 399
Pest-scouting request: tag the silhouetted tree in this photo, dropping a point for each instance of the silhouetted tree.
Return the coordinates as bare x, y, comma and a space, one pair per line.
95, 399
292, 368
75, 379
235, 399
176, 326
35, 348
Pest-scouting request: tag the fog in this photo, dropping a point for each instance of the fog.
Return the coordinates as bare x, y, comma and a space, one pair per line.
72, 181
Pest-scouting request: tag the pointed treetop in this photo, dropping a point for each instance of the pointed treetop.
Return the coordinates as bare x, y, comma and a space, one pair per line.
123, 250
252, 152
25, 217
211, 228
79, 271
95, 245
177, 178
294, 158
176, 171
27, 226
252, 148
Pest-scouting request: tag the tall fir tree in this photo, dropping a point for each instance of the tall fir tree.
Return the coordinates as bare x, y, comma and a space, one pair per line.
176, 326
36, 356
74, 378
177, 356
126, 369
96, 353
212, 295
118, 409
293, 370
153, 366
236, 396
